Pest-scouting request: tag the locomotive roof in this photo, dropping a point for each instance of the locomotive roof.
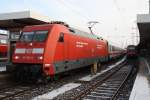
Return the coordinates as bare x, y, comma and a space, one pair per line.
84, 34
76, 32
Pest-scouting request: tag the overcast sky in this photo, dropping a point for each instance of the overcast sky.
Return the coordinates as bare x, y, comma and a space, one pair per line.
117, 18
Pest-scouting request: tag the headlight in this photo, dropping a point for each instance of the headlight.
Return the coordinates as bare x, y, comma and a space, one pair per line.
40, 57
16, 57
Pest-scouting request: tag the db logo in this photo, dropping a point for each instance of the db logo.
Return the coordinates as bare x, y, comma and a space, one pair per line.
28, 50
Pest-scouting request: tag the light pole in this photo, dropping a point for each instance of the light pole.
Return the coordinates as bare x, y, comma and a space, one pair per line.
149, 6
91, 24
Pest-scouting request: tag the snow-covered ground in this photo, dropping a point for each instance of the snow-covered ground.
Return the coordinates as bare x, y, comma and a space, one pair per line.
90, 77
2, 68
56, 92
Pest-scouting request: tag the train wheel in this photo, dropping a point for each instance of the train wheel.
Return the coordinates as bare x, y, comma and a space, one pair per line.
43, 79
56, 77
99, 66
94, 68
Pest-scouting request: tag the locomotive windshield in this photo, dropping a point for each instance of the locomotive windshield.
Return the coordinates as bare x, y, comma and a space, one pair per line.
39, 36
131, 48
27, 36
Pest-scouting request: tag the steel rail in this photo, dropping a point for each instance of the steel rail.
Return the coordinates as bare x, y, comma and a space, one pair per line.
122, 84
95, 85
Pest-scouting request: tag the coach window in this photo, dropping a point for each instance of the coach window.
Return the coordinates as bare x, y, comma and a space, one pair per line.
61, 37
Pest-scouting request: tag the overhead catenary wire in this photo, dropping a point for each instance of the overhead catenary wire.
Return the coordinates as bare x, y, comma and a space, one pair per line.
74, 10
66, 5
69, 5
120, 13
136, 39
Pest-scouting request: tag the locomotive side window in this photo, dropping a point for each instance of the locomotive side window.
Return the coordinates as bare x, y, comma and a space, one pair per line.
61, 37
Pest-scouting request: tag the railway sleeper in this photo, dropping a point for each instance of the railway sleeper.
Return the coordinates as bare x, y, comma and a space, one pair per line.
101, 94
104, 91
96, 97
107, 88
112, 83
2, 96
110, 86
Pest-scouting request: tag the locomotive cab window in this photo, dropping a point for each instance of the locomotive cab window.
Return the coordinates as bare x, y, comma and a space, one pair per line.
40, 36
27, 36
61, 37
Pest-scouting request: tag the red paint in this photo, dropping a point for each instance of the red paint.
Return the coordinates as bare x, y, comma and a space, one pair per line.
3, 46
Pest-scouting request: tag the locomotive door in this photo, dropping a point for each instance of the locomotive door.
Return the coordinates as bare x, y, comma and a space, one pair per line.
65, 52
63, 43
66, 41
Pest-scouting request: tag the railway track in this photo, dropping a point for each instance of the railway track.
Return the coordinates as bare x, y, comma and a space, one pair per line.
26, 92
108, 88
13, 90
19, 91
126, 89
103, 87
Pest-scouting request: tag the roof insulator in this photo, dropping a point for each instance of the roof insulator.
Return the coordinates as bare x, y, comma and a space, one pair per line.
59, 22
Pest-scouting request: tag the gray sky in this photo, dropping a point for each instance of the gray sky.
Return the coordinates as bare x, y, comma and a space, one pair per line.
117, 17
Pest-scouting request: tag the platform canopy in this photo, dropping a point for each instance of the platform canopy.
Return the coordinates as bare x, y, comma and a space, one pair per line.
14, 20
143, 22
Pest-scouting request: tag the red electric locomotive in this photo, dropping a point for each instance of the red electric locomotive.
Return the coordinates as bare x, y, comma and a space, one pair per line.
3, 46
55, 48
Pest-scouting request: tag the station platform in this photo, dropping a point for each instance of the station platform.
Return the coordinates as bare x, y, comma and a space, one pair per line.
3, 66
141, 88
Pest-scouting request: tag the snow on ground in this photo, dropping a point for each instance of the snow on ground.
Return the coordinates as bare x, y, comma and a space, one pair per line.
90, 77
56, 92
2, 68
